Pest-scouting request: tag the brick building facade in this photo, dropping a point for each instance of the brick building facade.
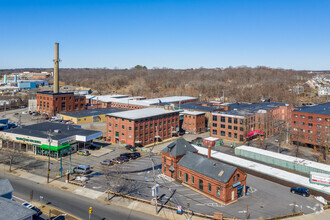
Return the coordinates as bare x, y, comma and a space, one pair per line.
142, 126
311, 125
52, 103
245, 121
181, 161
193, 122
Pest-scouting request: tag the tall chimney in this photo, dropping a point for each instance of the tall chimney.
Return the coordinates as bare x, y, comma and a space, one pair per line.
209, 152
56, 69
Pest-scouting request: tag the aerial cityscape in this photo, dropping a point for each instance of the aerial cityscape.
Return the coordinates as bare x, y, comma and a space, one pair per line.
164, 110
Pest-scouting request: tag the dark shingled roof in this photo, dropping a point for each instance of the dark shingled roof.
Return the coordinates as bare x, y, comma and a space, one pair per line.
207, 167
5, 187
14, 210
41, 130
91, 112
322, 109
179, 147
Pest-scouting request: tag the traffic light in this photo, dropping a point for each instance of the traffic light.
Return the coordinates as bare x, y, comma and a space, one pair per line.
90, 210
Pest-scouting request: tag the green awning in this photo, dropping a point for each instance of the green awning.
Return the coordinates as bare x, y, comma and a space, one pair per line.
54, 148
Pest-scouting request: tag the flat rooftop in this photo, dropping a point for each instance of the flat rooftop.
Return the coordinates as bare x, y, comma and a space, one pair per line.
145, 102
287, 158
41, 130
52, 93
243, 109
197, 107
322, 109
91, 112
141, 113
192, 113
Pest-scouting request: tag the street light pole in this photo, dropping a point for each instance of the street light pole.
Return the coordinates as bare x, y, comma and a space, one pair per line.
49, 142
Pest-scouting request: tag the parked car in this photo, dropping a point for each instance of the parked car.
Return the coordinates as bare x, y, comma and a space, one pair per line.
24, 113
106, 162
120, 160
30, 206
82, 169
128, 155
277, 140
136, 154
125, 159
130, 147
23, 106
35, 114
301, 191
83, 153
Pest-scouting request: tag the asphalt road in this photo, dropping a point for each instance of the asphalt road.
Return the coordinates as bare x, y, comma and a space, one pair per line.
71, 203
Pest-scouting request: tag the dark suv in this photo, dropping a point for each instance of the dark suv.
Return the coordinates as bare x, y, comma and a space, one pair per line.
301, 191
130, 147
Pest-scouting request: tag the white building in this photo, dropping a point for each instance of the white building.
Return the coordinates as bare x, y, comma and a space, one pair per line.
323, 91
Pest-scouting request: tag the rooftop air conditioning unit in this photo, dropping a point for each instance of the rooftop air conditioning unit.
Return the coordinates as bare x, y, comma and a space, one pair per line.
57, 131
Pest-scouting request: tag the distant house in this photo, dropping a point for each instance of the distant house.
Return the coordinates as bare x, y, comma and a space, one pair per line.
298, 90
181, 161
323, 91
6, 189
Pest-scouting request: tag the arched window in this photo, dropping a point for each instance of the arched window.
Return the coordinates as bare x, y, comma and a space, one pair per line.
238, 177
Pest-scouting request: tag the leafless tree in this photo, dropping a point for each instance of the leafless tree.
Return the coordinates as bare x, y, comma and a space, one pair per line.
10, 151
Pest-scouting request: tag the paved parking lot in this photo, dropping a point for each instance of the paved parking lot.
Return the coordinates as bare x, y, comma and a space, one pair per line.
266, 198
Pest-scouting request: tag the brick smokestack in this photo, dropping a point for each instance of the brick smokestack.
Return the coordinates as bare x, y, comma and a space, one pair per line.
56, 69
209, 152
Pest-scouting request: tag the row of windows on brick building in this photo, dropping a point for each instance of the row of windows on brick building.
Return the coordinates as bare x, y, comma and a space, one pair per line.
310, 118
160, 130
201, 182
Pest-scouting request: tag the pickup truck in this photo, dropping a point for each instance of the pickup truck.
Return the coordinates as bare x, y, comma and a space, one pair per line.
301, 191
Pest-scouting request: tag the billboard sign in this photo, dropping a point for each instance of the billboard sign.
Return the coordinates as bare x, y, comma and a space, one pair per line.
320, 178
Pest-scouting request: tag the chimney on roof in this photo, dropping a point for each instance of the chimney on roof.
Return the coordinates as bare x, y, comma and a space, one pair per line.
56, 69
209, 152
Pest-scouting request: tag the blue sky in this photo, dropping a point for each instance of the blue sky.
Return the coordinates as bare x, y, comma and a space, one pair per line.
177, 34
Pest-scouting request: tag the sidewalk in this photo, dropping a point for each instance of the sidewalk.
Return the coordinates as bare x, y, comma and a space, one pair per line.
96, 195
325, 215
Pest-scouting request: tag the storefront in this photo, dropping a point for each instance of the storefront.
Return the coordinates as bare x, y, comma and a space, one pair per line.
61, 139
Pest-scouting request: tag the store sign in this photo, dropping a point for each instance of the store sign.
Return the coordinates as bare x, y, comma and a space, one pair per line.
28, 140
320, 178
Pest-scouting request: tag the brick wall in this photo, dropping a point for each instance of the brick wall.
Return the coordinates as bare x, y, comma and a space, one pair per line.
144, 130
311, 129
218, 190
52, 104
194, 123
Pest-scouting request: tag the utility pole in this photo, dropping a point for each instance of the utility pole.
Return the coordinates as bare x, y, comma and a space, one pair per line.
153, 169
49, 143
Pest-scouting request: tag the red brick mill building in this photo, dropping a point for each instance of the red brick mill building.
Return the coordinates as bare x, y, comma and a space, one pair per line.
52, 103
181, 161
311, 126
142, 127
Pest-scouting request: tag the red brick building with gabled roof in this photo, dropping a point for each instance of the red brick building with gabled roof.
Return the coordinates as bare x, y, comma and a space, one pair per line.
181, 161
